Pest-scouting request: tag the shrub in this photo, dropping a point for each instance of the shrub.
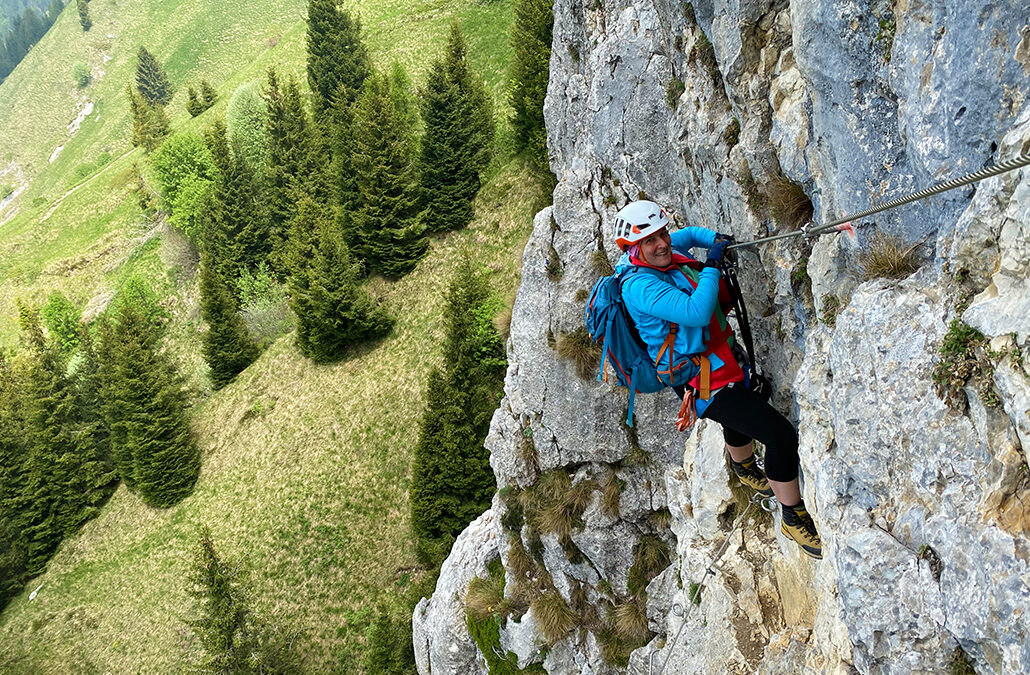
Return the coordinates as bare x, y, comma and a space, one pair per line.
788, 204
264, 305
6, 190
584, 353
81, 74
554, 616
964, 359
703, 54
889, 257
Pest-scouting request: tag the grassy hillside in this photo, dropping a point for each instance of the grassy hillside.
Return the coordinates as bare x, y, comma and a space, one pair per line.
305, 467
48, 241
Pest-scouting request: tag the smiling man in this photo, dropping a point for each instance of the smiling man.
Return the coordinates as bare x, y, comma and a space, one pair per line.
678, 308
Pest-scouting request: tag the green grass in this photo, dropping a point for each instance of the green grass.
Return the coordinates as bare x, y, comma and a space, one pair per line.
301, 479
207, 39
306, 467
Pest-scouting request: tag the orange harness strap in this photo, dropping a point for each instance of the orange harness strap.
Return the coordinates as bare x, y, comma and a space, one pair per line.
702, 362
667, 346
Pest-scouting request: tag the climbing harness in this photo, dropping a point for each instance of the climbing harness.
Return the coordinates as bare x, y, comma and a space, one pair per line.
844, 224
767, 504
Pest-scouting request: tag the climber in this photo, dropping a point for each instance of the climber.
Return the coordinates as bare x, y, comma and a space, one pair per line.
677, 308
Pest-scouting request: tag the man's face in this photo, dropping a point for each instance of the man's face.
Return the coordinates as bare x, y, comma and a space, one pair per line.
657, 248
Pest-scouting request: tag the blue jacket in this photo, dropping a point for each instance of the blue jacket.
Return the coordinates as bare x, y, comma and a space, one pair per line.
655, 302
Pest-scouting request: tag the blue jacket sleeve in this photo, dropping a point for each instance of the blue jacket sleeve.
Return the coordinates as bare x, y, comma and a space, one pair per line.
650, 295
689, 237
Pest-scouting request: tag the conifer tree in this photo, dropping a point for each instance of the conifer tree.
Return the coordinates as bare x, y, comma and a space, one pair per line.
83, 7
228, 347
149, 122
459, 135
151, 79
451, 478
14, 504
388, 232
224, 622
338, 60
531, 44
208, 94
194, 106
293, 169
67, 478
145, 404
333, 310
236, 236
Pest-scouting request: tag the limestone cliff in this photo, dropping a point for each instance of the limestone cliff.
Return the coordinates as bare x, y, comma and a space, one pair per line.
924, 507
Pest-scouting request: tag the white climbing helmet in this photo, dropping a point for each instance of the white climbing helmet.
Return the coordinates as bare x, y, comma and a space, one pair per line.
638, 220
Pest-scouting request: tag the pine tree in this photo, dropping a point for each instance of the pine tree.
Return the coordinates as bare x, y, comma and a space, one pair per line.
194, 106
292, 169
68, 479
228, 347
459, 135
333, 310
208, 94
145, 404
338, 60
531, 44
151, 80
83, 7
224, 622
451, 478
387, 226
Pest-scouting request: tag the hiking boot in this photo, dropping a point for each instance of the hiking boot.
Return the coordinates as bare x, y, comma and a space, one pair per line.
751, 475
798, 525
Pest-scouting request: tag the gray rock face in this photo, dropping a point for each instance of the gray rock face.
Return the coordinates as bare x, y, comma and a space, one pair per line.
924, 510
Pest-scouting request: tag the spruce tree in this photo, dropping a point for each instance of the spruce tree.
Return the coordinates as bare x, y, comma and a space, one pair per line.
531, 45
68, 479
14, 505
388, 232
228, 347
292, 169
145, 404
333, 310
236, 236
224, 623
194, 106
208, 95
459, 135
451, 478
151, 80
149, 122
338, 60
83, 7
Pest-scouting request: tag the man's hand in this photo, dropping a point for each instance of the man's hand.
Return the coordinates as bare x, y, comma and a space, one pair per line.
722, 236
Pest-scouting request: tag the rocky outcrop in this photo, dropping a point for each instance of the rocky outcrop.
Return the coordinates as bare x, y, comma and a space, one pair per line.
923, 504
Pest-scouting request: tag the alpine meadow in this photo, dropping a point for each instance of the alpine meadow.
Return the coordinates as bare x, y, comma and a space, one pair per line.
257, 262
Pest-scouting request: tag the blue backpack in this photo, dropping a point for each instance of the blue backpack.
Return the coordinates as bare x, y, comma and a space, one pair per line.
608, 322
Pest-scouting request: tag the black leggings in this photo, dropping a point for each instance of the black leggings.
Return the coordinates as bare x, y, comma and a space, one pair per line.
745, 416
